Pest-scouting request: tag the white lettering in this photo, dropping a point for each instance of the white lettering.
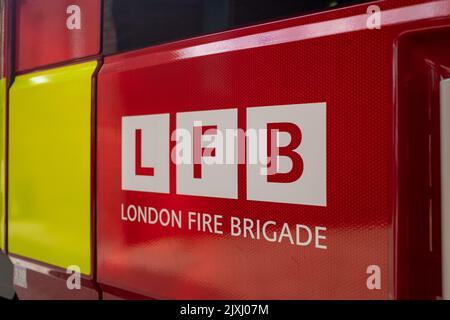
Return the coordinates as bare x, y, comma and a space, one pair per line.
73, 22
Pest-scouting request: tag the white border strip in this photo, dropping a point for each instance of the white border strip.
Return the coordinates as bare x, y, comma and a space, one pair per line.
445, 186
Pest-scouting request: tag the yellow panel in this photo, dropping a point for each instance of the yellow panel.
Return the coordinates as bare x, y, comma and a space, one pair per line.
49, 166
2, 160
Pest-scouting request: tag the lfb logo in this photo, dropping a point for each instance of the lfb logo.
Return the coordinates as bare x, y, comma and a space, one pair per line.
283, 149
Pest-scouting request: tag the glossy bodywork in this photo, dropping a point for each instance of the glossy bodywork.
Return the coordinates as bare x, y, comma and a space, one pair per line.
50, 166
381, 91
50, 31
329, 57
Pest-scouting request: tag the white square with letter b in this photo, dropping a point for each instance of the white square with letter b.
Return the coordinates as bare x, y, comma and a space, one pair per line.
296, 172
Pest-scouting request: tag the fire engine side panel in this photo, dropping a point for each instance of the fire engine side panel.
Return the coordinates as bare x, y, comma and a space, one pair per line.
49, 213
330, 61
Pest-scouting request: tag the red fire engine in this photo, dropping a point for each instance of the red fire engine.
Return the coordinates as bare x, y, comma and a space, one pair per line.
228, 149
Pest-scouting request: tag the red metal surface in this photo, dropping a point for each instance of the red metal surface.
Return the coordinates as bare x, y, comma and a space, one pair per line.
330, 57
3, 12
47, 34
5, 36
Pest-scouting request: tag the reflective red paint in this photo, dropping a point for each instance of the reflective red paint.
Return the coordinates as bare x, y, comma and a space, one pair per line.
330, 57
50, 32
3, 47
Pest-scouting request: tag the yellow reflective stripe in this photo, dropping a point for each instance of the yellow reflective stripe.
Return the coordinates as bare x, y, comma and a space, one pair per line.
49, 166
2, 159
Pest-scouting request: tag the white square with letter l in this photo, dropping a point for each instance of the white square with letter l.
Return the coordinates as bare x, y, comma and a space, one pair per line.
145, 153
